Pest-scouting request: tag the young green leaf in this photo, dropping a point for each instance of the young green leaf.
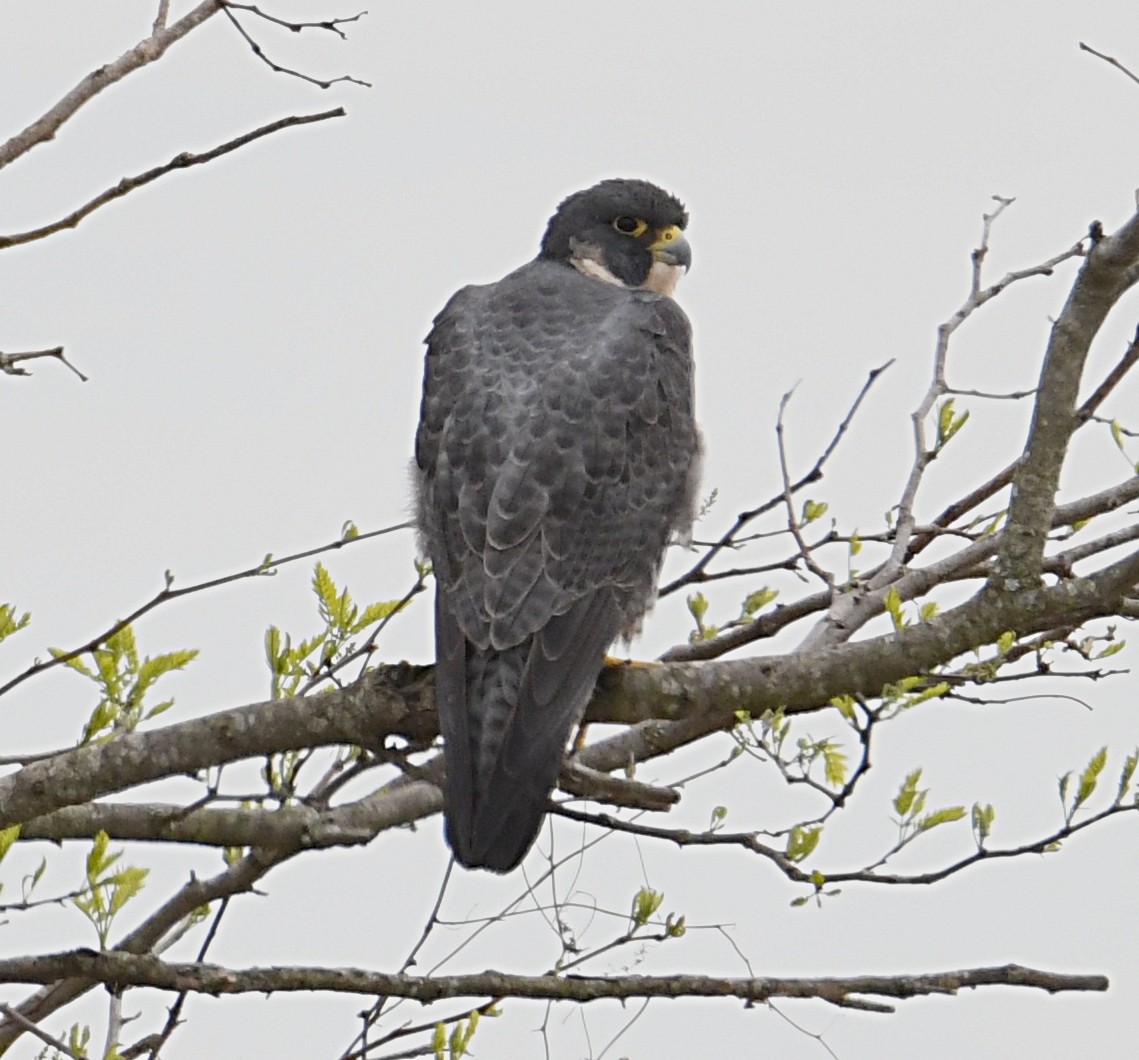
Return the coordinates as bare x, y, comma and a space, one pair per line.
907, 794
1089, 778
757, 601
813, 510
1125, 776
698, 606
932, 820
834, 761
645, 903
9, 623
802, 841
892, 602
982, 820
8, 836
845, 706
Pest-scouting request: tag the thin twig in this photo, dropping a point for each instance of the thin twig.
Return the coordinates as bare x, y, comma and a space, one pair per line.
267, 566
277, 68
331, 24
175, 1013
1108, 59
792, 521
10, 362
696, 573
183, 161
38, 1031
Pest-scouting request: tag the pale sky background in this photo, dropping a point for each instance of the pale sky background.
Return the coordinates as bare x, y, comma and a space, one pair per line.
252, 330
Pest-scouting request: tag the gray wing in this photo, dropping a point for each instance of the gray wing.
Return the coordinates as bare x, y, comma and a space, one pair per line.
554, 454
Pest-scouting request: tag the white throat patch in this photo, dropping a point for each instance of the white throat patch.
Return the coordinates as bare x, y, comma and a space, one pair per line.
592, 267
663, 278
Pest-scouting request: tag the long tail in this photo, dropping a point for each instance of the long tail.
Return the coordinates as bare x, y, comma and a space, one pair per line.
506, 717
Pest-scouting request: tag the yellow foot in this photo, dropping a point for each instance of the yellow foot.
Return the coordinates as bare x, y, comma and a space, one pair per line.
611, 660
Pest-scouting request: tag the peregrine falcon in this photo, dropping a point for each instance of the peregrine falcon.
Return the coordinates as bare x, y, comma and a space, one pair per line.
556, 454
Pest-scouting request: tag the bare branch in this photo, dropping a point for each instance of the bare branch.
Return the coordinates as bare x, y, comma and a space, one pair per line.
182, 161
145, 52
1108, 59
696, 574
331, 24
10, 362
125, 969
296, 26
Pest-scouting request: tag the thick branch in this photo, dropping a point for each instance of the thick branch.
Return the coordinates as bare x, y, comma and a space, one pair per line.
1112, 266
66, 988
121, 969
697, 698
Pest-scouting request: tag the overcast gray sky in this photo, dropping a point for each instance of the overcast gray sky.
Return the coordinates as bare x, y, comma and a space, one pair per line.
253, 328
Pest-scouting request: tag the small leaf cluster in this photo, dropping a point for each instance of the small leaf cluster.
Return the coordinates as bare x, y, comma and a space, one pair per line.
832, 755
646, 903
910, 806
8, 837
107, 891
949, 422
982, 818
9, 623
771, 738
1075, 792
909, 692
750, 608
292, 667
123, 680
78, 1039
457, 1044
892, 602
801, 842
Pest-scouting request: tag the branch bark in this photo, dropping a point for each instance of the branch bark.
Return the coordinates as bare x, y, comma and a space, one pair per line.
142, 54
128, 184
123, 969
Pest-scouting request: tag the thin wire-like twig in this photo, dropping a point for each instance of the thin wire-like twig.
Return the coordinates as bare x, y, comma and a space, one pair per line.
332, 25
182, 161
1108, 59
267, 566
10, 362
276, 67
696, 573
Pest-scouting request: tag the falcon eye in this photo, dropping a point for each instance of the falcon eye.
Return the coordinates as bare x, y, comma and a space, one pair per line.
630, 226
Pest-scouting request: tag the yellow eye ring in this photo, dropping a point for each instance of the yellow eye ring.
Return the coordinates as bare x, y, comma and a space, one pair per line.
630, 226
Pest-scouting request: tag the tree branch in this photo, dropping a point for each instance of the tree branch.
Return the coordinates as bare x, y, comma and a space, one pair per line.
10, 362
182, 161
1111, 267
123, 969
142, 54
696, 698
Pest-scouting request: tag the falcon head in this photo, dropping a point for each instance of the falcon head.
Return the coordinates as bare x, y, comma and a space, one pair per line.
627, 232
